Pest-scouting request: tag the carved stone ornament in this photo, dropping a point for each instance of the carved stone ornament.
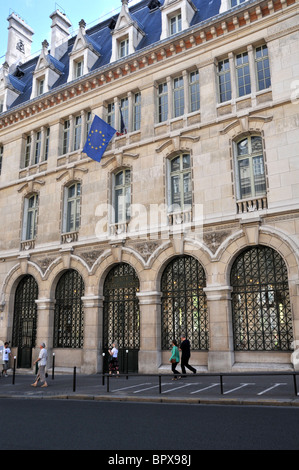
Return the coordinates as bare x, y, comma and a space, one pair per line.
214, 239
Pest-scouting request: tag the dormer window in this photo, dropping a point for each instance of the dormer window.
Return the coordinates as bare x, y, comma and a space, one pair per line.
176, 16
126, 34
46, 73
175, 24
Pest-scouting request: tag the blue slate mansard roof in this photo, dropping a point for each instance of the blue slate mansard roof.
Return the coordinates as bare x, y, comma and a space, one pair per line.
100, 38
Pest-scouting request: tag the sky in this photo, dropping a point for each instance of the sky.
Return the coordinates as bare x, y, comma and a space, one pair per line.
36, 14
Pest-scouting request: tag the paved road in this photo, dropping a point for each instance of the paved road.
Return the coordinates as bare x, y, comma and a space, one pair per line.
153, 427
274, 389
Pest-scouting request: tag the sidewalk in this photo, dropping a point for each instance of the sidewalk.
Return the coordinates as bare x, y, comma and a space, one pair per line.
140, 388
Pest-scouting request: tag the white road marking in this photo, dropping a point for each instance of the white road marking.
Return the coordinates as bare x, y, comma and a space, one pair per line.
271, 388
132, 386
206, 388
237, 388
177, 388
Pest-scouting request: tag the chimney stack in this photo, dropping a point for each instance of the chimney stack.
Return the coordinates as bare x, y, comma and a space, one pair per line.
60, 34
19, 41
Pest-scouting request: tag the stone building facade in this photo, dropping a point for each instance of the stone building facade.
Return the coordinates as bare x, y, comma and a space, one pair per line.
190, 221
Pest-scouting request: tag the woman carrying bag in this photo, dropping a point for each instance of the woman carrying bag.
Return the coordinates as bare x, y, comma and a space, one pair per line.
175, 359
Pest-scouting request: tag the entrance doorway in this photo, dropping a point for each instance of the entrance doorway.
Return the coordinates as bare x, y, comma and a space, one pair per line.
25, 319
121, 317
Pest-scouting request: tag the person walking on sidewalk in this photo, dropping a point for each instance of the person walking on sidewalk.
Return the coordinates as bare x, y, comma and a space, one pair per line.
42, 360
6, 356
174, 359
185, 348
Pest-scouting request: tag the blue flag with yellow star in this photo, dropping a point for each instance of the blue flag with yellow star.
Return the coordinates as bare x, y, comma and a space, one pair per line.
98, 138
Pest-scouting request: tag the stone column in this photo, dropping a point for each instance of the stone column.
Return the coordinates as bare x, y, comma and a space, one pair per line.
93, 333
149, 357
45, 327
221, 354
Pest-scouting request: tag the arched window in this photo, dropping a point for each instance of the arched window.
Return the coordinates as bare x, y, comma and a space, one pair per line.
68, 316
249, 160
179, 183
184, 305
122, 196
71, 208
261, 310
30, 217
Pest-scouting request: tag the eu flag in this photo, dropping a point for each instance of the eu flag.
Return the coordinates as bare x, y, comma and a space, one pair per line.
98, 138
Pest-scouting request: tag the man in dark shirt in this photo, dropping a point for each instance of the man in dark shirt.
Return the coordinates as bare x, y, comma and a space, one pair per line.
185, 348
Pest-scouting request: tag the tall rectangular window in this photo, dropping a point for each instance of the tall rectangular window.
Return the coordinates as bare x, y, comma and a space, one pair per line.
77, 132
79, 68
180, 183
66, 136
124, 48
38, 145
30, 217
175, 24
88, 122
243, 74
137, 112
163, 102
224, 81
194, 95
40, 87
178, 96
27, 151
1, 157
262, 67
72, 207
124, 106
122, 196
111, 114
47, 143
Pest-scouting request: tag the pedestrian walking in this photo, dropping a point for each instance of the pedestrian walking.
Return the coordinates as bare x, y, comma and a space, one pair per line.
113, 363
185, 348
174, 359
42, 364
6, 356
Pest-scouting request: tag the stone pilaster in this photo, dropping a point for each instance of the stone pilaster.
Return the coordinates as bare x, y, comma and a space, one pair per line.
93, 333
221, 354
150, 331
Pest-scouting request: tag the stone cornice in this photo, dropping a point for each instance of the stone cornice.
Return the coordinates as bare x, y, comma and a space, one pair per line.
218, 27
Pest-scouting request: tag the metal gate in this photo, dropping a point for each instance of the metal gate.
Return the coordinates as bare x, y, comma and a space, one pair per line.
25, 319
261, 309
121, 316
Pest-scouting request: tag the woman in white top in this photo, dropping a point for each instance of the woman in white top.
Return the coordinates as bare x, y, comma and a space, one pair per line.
113, 363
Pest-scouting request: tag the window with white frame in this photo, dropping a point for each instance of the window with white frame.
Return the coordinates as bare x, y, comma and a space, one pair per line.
224, 81
234, 3
30, 217
40, 86
178, 97
79, 68
122, 196
123, 47
175, 24
74, 131
179, 183
249, 161
137, 112
129, 107
163, 102
243, 74
238, 66
194, 93
77, 132
262, 67
36, 147
71, 209
66, 136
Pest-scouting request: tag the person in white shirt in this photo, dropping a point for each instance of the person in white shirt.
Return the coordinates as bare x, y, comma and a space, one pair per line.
42, 360
6, 356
